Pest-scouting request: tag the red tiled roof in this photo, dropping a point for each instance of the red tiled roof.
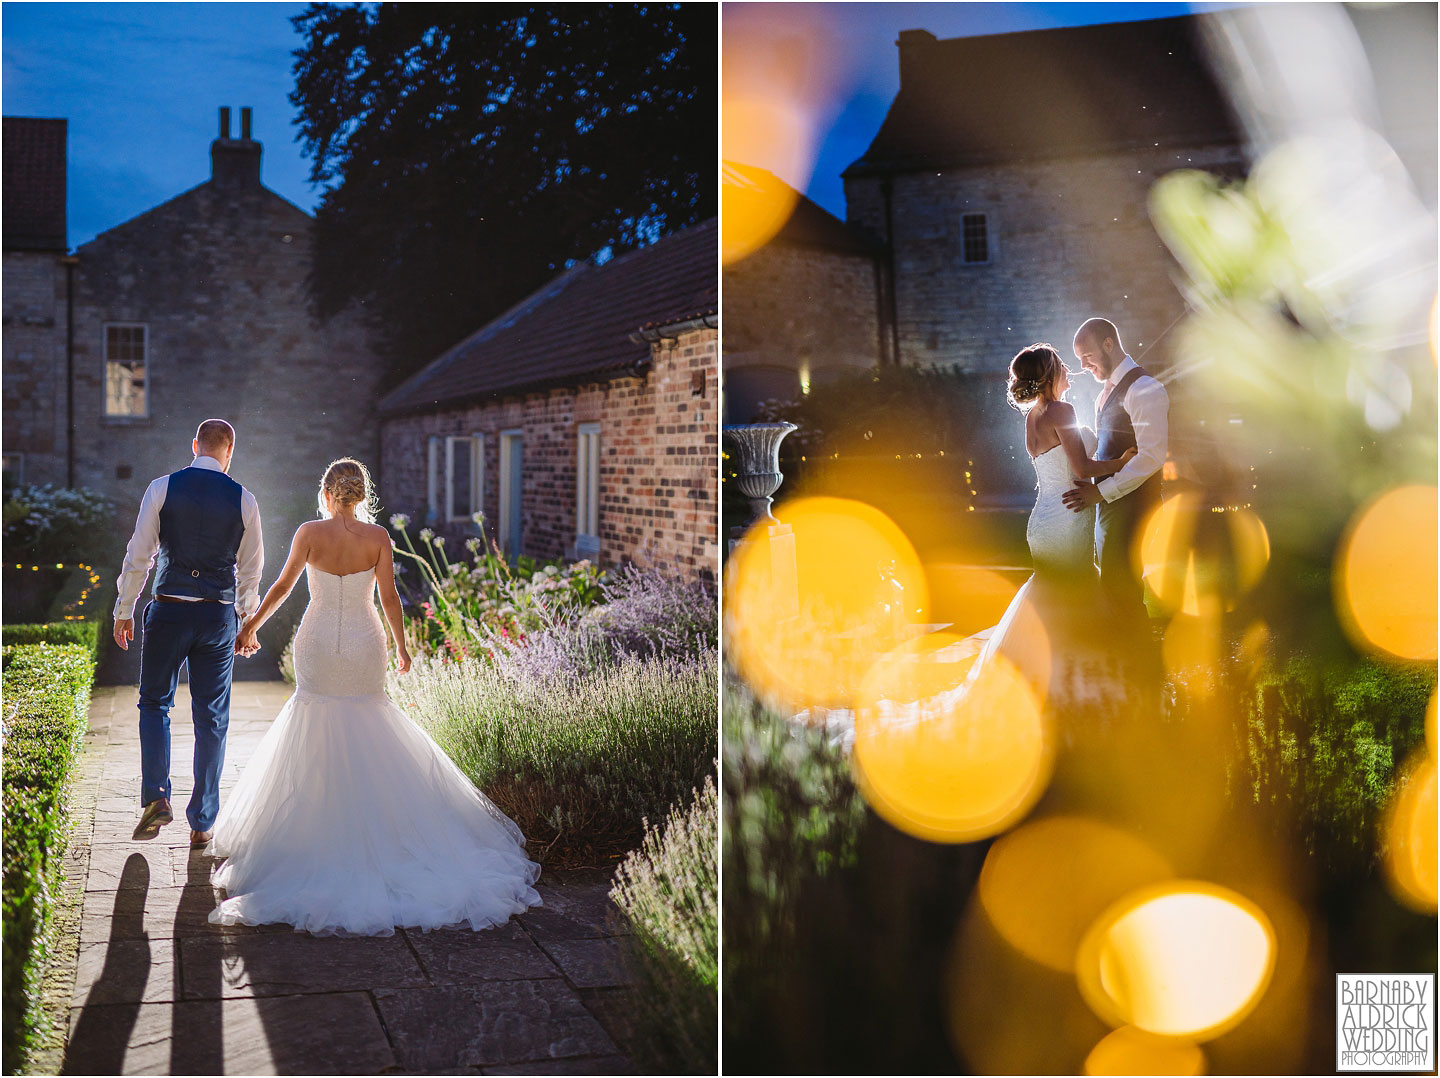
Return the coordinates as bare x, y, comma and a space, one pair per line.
576, 328
33, 217
1047, 93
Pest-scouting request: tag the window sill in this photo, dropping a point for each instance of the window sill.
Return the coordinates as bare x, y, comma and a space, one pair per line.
125, 421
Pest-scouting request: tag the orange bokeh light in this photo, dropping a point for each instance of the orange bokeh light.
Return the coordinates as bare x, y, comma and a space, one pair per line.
943, 755
1128, 1050
1386, 574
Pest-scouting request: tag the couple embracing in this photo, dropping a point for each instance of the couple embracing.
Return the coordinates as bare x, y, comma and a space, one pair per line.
1083, 609
348, 819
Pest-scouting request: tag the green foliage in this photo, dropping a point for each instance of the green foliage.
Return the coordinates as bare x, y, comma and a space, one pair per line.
792, 815
56, 524
84, 633
469, 155
470, 606
584, 758
668, 890
46, 694
1324, 740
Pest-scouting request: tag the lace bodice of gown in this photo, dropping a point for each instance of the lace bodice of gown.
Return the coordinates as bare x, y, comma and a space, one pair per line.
1058, 537
340, 645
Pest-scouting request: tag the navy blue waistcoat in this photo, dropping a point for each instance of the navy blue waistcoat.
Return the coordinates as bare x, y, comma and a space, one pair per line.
201, 525
1115, 432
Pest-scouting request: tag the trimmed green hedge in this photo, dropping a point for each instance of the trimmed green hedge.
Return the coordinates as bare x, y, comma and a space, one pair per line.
84, 633
46, 701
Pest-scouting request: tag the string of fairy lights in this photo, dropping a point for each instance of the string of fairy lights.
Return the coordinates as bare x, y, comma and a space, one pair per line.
92, 581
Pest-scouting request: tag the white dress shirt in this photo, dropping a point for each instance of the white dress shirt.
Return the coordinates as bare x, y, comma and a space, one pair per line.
145, 544
1149, 408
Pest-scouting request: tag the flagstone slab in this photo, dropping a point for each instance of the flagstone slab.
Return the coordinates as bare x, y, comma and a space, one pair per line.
321, 1034
284, 964
574, 911
160, 913
594, 1065
591, 963
462, 956
126, 971
498, 1022
139, 864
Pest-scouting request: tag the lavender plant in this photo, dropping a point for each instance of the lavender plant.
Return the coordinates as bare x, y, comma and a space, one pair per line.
577, 759
668, 890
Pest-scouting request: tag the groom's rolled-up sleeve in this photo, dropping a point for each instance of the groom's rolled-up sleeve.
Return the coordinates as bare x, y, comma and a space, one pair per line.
250, 558
140, 553
1149, 408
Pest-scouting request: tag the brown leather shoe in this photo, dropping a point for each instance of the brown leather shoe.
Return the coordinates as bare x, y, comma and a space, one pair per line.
199, 839
155, 816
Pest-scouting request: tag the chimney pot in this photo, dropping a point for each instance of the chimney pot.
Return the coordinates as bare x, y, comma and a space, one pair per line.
245, 123
224, 121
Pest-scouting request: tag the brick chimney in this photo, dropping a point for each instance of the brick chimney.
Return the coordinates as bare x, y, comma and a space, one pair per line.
235, 162
916, 57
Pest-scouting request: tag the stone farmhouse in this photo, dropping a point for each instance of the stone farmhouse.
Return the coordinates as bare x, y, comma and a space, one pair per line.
193, 309
1008, 185
580, 423
802, 309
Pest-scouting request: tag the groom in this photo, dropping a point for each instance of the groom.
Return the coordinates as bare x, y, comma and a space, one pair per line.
205, 527
1132, 412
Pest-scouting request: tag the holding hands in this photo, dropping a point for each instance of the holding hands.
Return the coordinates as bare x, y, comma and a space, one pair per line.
1085, 493
246, 642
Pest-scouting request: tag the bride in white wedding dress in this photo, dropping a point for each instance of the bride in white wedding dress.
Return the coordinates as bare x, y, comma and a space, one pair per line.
349, 819
1061, 602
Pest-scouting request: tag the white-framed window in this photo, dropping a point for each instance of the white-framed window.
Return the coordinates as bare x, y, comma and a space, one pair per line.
976, 243
512, 490
464, 476
433, 478
126, 349
587, 484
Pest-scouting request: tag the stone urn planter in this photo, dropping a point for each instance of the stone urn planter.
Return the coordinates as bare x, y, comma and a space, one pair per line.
758, 447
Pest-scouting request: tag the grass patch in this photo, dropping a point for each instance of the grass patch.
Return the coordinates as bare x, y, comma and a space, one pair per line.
667, 890
46, 698
579, 760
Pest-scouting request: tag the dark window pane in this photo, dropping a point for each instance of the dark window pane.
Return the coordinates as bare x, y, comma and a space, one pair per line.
975, 237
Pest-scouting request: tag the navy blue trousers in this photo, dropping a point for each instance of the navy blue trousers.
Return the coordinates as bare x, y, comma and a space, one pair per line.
202, 634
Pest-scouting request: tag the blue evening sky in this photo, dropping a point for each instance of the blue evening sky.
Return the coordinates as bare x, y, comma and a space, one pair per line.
866, 34
141, 86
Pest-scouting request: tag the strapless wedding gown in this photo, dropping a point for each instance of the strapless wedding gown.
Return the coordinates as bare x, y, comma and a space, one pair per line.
349, 819
1052, 631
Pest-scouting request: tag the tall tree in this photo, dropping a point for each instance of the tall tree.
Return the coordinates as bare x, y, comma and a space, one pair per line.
473, 151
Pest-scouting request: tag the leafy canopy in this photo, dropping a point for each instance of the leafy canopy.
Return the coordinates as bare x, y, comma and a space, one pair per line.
472, 151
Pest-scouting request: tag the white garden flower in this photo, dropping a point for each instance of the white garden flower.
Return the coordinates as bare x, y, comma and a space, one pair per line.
399, 522
426, 535
439, 540
479, 519
472, 544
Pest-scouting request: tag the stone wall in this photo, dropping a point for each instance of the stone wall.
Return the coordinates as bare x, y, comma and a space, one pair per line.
658, 453
33, 290
808, 310
1070, 238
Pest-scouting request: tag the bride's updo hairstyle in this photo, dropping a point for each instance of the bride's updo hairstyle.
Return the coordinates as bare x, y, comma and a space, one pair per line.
1033, 373
348, 482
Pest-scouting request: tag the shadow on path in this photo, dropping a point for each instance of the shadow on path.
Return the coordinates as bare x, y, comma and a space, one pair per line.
102, 1034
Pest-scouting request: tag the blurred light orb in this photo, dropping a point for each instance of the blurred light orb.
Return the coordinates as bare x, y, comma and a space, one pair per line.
945, 756
765, 141
1409, 834
1044, 884
971, 597
807, 640
1386, 573
1182, 959
1189, 552
1128, 1050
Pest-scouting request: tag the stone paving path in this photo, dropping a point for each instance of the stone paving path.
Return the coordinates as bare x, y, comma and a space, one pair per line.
160, 990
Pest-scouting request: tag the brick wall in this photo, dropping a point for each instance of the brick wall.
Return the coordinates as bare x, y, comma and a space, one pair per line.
33, 288
658, 446
1072, 238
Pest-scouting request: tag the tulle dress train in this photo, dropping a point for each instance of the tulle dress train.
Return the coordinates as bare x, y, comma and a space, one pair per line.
349, 819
